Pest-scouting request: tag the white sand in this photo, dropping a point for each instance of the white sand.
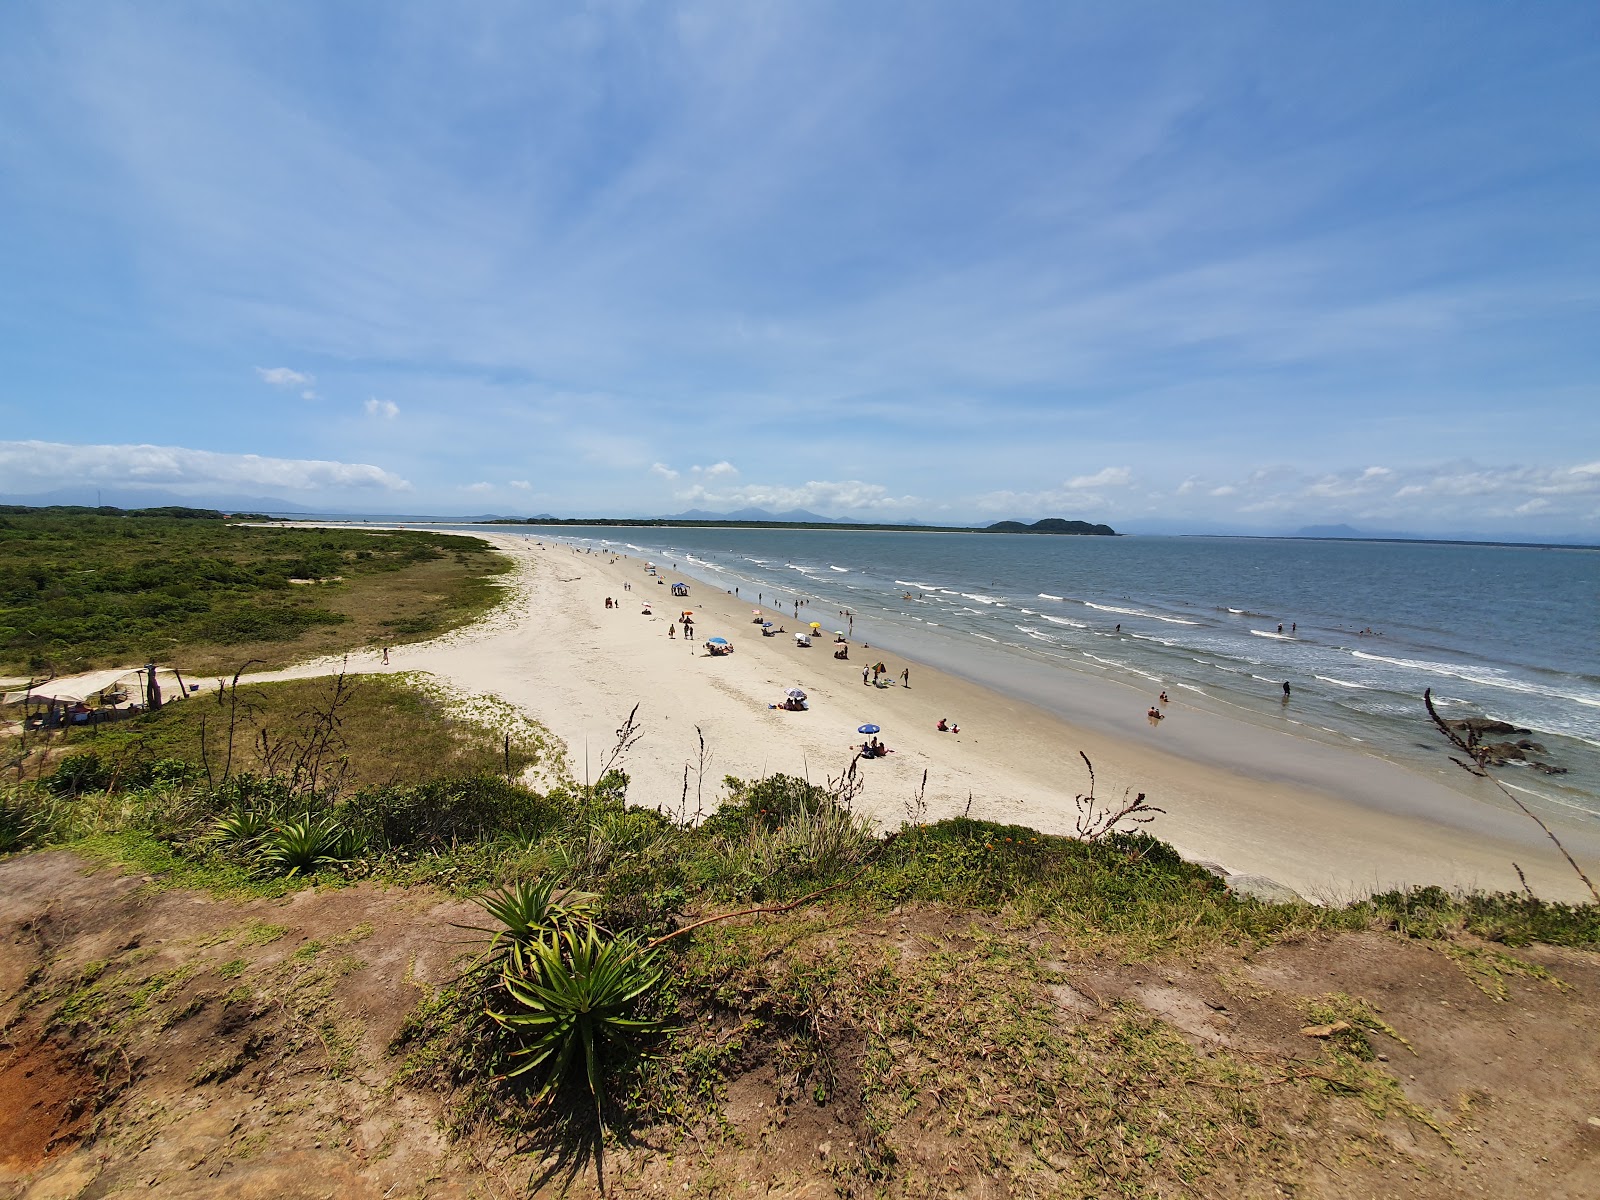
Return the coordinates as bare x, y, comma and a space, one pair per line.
557, 653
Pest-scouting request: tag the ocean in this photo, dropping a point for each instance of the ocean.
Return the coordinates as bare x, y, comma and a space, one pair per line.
1505, 632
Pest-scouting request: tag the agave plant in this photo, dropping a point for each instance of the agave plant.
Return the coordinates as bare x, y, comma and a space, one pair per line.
527, 910
242, 826
300, 847
574, 998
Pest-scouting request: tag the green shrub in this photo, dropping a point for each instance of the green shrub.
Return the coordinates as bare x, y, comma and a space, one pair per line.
571, 1000
302, 847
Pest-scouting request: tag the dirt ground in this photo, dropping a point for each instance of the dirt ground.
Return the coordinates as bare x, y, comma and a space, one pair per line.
169, 1043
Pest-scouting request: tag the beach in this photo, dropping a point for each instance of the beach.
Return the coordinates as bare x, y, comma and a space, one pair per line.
1332, 824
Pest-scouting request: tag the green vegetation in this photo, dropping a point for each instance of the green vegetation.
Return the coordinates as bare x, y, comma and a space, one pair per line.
392, 731
638, 964
87, 588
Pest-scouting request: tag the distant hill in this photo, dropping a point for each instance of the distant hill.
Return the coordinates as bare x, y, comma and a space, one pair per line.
1330, 531
1052, 525
798, 515
132, 498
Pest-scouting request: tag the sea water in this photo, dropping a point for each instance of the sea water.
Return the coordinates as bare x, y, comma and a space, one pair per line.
1505, 632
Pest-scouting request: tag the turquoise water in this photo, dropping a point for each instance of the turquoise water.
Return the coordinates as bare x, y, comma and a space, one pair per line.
1508, 632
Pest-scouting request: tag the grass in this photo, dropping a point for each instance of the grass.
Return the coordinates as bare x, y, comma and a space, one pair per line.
910, 994
85, 589
394, 731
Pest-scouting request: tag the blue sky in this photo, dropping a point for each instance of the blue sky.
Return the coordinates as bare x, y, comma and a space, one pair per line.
1167, 265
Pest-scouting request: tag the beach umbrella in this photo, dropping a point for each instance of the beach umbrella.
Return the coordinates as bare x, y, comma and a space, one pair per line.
795, 694
838, 633
766, 624
717, 642
869, 729
755, 612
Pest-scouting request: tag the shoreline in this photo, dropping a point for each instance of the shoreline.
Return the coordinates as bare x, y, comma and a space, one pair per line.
557, 653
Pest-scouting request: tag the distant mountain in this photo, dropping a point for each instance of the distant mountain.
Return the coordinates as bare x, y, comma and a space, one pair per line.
1052, 525
1330, 531
754, 514
155, 498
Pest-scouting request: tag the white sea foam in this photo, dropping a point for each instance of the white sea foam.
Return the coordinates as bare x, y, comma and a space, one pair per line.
841, 570
1487, 676
1048, 596
1139, 612
926, 587
1366, 687
1277, 637
984, 636
1063, 621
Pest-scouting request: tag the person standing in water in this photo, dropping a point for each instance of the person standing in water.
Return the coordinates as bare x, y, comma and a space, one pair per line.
1285, 691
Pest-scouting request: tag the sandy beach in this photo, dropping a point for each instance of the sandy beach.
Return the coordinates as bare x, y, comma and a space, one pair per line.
1330, 823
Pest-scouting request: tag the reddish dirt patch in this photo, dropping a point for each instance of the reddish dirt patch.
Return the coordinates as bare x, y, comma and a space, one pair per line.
46, 1103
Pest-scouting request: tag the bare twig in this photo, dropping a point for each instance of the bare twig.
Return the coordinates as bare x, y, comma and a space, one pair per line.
1469, 747
1096, 821
769, 908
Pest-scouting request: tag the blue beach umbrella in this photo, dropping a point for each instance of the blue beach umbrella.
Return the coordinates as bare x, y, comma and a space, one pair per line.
717, 642
869, 729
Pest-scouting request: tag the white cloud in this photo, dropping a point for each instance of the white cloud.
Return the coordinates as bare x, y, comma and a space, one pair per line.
387, 409
308, 394
721, 470
830, 496
1440, 495
1106, 477
480, 486
522, 485
35, 465
285, 377
663, 470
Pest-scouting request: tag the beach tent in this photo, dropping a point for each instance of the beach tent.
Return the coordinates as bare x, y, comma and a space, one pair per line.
795, 693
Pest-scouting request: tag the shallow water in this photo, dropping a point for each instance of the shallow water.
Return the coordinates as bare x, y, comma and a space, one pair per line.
1508, 632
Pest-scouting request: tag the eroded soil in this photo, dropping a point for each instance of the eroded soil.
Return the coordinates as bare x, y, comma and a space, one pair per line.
170, 1043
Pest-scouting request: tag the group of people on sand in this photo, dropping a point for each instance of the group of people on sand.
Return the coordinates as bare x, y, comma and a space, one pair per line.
945, 726
1154, 713
873, 748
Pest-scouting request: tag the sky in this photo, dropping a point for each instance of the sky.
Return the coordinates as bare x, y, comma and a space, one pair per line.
1167, 266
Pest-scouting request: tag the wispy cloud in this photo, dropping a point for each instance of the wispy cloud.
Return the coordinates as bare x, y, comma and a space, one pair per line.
39, 465
831, 497
285, 377
678, 234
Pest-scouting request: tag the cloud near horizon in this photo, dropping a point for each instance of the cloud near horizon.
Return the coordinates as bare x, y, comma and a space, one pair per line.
830, 496
41, 465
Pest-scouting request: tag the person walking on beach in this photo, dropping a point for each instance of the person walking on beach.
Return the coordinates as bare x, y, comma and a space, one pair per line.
1286, 691
865, 672
905, 678
386, 656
